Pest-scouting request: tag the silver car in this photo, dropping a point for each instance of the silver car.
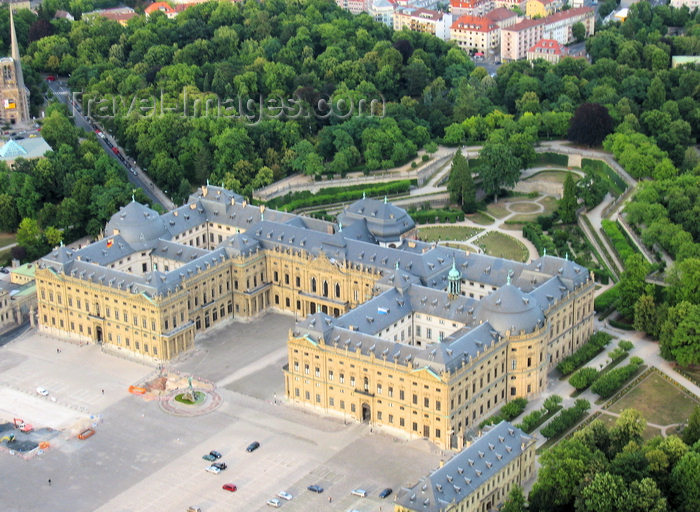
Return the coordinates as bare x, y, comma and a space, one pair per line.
274, 502
285, 495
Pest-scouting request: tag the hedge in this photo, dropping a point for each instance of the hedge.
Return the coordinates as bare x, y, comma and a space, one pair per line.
552, 158
534, 233
538, 417
583, 378
431, 216
622, 246
608, 384
607, 299
332, 195
566, 419
615, 183
621, 325
588, 351
508, 412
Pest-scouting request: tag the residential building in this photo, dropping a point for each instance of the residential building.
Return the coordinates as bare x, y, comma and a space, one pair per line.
63, 15
355, 6
14, 95
558, 26
547, 49
518, 38
475, 32
382, 11
163, 7
542, 8
512, 4
502, 17
470, 7
478, 478
423, 20
119, 14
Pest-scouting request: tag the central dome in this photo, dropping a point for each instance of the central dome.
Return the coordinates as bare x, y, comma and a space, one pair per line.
509, 309
138, 225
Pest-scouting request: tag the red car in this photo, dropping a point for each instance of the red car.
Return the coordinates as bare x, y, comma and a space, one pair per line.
229, 487
50, 78
116, 150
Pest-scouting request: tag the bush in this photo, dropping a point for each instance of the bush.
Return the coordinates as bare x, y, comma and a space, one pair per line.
552, 159
607, 299
542, 242
430, 216
609, 383
552, 402
583, 378
626, 345
622, 246
566, 419
425, 158
333, 195
621, 325
588, 351
617, 354
508, 412
531, 421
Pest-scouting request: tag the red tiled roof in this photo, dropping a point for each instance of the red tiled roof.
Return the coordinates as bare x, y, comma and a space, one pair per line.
476, 23
547, 44
465, 4
500, 14
158, 6
525, 24
562, 15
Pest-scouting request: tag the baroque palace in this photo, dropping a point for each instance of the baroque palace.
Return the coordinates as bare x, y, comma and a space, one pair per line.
423, 339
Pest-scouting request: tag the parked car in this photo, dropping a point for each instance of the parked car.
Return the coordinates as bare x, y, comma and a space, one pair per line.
315, 488
359, 492
215, 454
209, 457
213, 469
386, 492
4, 270
115, 150
274, 502
50, 78
220, 465
42, 391
229, 487
253, 446
285, 495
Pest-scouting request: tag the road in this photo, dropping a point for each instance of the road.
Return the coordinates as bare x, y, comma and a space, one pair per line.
135, 174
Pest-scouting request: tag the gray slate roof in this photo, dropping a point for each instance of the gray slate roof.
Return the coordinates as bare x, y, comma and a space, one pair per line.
384, 220
467, 471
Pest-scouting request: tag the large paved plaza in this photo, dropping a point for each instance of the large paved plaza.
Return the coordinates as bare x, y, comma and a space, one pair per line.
143, 458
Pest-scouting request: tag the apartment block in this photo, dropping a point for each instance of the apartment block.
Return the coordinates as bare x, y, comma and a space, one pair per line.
475, 32
423, 20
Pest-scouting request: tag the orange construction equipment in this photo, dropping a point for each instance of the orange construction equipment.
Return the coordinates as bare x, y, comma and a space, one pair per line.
24, 427
86, 433
137, 390
44, 445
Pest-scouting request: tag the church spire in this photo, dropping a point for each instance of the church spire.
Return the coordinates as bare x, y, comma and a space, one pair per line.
22, 98
13, 38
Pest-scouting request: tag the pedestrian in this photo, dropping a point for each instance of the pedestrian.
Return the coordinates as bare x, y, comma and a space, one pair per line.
58, 350
49, 482
103, 391
330, 499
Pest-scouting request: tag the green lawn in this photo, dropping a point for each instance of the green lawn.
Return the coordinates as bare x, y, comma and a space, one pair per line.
462, 247
554, 176
648, 433
550, 204
497, 210
437, 233
7, 239
480, 218
658, 400
525, 207
503, 246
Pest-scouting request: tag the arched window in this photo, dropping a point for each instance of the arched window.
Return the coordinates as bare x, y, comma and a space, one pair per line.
325, 288
313, 285
337, 290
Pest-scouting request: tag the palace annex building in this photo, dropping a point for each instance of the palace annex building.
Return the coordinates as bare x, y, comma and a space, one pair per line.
423, 339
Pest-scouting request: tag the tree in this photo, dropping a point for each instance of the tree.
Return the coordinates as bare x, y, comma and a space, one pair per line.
461, 185
9, 217
632, 284
685, 478
680, 333
691, 433
568, 203
30, 237
605, 493
629, 427
644, 496
578, 30
499, 168
515, 501
590, 125
645, 316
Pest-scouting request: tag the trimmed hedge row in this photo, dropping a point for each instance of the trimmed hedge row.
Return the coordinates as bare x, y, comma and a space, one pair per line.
604, 171
552, 158
588, 351
620, 243
332, 195
431, 216
583, 378
607, 299
608, 384
566, 419
539, 416
508, 412
534, 233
